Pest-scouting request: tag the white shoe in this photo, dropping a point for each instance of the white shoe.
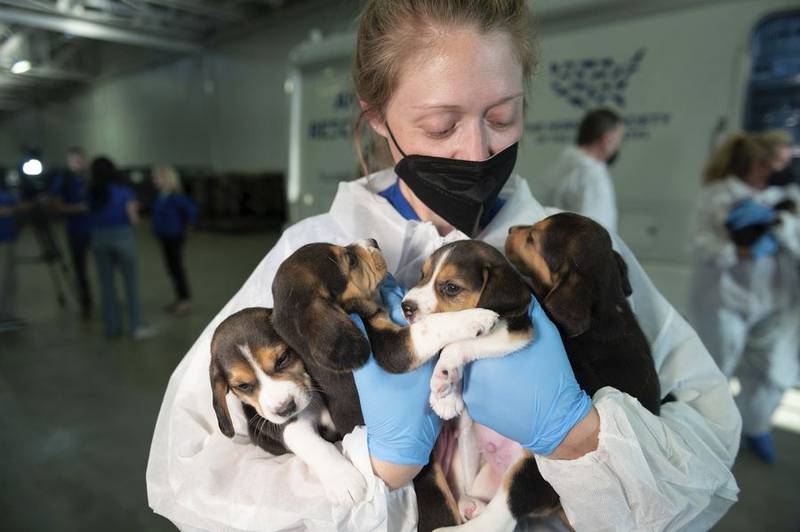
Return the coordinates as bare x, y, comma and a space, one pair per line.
143, 332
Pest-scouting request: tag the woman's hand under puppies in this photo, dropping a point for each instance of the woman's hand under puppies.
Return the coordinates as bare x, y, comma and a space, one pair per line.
401, 427
530, 396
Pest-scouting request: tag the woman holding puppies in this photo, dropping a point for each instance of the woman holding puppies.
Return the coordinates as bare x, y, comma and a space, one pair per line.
442, 83
745, 300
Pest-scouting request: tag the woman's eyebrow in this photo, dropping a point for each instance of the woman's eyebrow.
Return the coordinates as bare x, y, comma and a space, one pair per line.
449, 107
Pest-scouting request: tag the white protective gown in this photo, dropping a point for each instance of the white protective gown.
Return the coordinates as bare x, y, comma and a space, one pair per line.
582, 184
648, 473
747, 310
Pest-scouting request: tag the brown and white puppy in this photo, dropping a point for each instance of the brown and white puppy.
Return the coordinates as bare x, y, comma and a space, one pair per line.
314, 290
284, 410
463, 275
582, 284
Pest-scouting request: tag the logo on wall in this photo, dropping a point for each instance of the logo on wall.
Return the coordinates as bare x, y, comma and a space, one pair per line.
588, 83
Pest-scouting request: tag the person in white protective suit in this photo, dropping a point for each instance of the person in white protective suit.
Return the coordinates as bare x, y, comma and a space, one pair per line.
446, 79
744, 291
580, 179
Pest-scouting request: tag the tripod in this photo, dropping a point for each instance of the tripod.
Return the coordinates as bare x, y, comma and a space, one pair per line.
49, 252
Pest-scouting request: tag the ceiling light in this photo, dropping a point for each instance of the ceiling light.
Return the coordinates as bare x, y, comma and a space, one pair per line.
32, 167
20, 67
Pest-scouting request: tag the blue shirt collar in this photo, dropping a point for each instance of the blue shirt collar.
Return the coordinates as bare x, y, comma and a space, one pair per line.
401, 205
399, 202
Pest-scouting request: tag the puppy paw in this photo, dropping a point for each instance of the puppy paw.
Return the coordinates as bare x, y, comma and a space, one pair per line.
470, 507
445, 378
343, 484
447, 407
480, 320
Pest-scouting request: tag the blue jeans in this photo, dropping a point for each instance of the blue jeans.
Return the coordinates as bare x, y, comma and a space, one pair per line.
115, 248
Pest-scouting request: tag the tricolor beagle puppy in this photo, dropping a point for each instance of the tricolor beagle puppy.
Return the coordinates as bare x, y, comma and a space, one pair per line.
459, 276
583, 286
284, 409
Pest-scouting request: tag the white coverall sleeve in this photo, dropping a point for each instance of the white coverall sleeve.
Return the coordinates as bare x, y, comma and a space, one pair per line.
202, 480
667, 472
710, 241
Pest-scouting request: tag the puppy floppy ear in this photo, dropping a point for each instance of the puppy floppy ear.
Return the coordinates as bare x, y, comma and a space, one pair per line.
503, 289
321, 332
569, 304
623, 274
219, 389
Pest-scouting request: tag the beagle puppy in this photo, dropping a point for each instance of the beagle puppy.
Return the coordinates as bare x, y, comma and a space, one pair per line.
284, 410
463, 275
583, 286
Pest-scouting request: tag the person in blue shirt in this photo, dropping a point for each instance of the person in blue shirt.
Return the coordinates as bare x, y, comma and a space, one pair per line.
70, 197
113, 210
8, 278
172, 212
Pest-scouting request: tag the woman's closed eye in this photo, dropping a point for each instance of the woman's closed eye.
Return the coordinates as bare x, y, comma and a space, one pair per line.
440, 133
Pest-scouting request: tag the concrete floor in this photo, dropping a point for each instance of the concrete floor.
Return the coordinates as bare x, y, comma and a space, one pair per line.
79, 410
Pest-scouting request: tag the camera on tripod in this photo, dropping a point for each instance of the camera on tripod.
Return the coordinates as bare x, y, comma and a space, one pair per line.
32, 183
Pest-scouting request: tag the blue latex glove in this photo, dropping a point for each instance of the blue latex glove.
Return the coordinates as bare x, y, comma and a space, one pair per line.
765, 246
747, 212
530, 396
401, 427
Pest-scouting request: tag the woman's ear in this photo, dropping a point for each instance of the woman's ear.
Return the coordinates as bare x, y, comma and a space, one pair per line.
219, 389
569, 304
374, 118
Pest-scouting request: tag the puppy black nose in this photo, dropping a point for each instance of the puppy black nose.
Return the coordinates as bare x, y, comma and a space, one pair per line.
373, 243
287, 409
409, 308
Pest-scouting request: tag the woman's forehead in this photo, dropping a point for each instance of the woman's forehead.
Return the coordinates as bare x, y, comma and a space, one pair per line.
463, 70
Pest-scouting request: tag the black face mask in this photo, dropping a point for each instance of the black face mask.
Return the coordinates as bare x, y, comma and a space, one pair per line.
461, 192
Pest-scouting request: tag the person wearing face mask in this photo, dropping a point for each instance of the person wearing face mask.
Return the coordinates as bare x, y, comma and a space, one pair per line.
441, 84
580, 178
745, 296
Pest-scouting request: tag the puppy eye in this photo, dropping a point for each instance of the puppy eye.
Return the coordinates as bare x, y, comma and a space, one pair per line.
245, 387
282, 360
530, 238
351, 258
450, 289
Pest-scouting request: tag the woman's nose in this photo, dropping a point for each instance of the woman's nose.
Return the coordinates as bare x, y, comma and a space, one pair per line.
475, 145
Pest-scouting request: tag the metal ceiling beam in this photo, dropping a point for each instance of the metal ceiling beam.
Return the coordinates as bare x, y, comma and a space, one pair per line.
200, 8
93, 30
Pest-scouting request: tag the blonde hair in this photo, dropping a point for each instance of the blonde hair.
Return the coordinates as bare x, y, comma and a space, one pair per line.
741, 150
172, 180
391, 31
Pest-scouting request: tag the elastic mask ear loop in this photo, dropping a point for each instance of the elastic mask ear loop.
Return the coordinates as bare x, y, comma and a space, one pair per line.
394, 139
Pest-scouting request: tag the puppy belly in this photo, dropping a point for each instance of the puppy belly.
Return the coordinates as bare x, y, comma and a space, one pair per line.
498, 453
